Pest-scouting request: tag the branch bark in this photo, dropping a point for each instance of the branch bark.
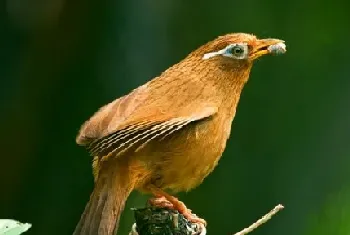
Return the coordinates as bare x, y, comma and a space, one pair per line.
159, 221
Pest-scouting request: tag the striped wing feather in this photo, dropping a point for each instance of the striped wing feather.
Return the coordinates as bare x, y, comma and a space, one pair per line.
137, 136
145, 114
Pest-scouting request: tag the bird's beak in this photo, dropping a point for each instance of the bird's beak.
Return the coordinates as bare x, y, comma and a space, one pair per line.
267, 46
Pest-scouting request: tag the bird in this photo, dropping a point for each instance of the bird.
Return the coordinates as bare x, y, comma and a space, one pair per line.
167, 135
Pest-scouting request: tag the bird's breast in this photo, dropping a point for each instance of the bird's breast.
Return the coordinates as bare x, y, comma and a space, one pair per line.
181, 161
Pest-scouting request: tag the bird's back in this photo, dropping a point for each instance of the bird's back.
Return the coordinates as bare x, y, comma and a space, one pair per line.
167, 98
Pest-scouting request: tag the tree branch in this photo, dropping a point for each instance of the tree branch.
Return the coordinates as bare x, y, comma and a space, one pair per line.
159, 221
261, 221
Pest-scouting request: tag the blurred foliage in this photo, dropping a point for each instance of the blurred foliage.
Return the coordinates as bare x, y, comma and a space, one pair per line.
333, 218
61, 60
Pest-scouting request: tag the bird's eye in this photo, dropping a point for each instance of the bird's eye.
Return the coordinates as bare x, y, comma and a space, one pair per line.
238, 51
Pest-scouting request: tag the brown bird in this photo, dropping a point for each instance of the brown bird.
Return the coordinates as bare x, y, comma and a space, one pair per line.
169, 133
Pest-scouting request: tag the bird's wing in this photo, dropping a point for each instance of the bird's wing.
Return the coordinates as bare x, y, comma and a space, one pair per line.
134, 120
140, 133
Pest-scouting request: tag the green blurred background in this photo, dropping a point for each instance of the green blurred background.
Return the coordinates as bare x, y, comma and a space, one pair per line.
61, 60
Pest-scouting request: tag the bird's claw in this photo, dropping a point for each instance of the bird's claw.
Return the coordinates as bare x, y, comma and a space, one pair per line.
162, 202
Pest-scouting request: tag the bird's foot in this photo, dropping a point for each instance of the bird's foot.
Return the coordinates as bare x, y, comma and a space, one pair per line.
187, 213
164, 200
161, 202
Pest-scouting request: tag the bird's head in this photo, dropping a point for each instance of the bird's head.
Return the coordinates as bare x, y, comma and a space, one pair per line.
240, 47
233, 54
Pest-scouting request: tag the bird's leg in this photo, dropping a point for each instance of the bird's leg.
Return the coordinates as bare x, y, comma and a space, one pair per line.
164, 200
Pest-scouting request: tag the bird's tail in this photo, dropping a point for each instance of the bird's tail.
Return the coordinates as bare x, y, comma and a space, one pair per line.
107, 201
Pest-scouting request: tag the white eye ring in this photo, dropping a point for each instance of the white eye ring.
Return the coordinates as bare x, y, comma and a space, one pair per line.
236, 51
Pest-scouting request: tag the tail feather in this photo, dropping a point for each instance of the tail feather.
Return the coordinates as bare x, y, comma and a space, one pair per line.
107, 201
